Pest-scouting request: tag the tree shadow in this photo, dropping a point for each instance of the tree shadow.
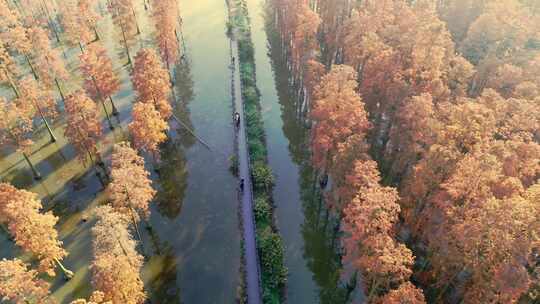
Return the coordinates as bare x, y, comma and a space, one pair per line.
173, 179
183, 87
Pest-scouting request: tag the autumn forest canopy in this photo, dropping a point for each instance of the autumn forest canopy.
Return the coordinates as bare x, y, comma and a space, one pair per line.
411, 171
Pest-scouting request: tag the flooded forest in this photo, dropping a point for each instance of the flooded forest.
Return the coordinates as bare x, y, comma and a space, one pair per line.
269, 151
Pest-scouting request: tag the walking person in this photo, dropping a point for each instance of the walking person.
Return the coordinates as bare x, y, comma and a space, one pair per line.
237, 119
242, 185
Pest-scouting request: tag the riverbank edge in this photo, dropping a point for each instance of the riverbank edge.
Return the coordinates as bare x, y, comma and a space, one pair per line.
269, 243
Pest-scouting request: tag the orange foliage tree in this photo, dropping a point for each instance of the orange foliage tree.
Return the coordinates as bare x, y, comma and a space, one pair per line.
165, 17
407, 293
20, 285
14, 35
50, 68
100, 80
369, 219
304, 40
16, 130
341, 122
87, 15
117, 265
33, 231
152, 82
83, 126
130, 189
123, 14
97, 297
37, 100
76, 30
8, 68
464, 158
147, 128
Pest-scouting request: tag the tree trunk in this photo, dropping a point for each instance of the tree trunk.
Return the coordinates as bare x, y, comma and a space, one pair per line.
53, 138
31, 67
60, 90
114, 109
126, 45
135, 224
35, 172
135, 19
100, 97
11, 84
68, 274
51, 23
96, 35
107, 115
373, 288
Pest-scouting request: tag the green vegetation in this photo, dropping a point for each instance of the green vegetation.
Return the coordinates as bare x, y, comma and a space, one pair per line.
269, 243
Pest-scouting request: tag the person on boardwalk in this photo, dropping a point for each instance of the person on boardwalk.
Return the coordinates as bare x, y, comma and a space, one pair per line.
242, 185
237, 119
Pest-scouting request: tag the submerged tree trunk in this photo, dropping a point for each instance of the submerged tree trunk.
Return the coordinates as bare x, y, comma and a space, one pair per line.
135, 223
51, 133
107, 115
11, 83
35, 172
60, 90
100, 97
135, 19
114, 109
96, 35
31, 67
68, 274
126, 45
53, 138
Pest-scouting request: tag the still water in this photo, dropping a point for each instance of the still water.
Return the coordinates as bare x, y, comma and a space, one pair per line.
193, 249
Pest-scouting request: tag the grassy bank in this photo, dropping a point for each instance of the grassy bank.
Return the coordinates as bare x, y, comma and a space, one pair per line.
269, 243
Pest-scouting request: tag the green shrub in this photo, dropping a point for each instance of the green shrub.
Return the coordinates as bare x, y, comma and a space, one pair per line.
270, 296
251, 95
256, 132
262, 210
257, 150
246, 51
271, 250
263, 179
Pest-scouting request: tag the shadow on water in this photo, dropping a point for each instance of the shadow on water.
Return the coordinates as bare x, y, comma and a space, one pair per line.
321, 250
173, 172
163, 281
173, 179
183, 86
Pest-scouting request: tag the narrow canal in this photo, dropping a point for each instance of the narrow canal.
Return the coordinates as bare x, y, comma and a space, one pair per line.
202, 231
